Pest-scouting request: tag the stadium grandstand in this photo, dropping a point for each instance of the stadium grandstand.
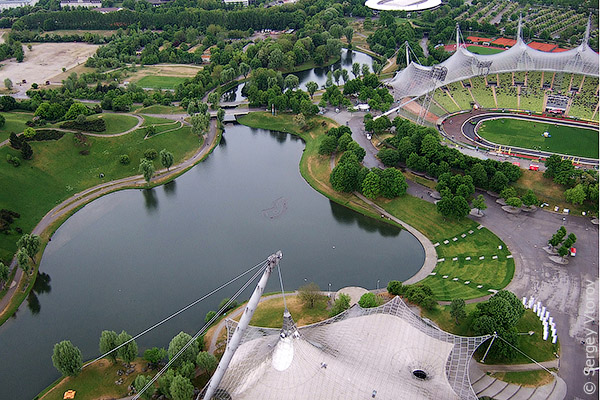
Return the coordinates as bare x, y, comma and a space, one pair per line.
525, 77
384, 352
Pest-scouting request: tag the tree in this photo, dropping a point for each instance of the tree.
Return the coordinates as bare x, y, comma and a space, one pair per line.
67, 358
479, 203
181, 388
30, 243
146, 168
244, 69
344, 177
328, 145
529, 199
393, 183
368, 300
349, 33
177, 344
108, 342
23, 260
389, 157
28, 133
563, 251
371, 186
394, 288
220, 115
206, 361
128, 352
309, 294
498, 182
15, 141
341, 304
365, 69
514, 202
26, 150
8, 84
576, 195
213, 99
200, 123
209, 315
311, 87
479, 175
457, 310
337, 74
155, 355
4, 273
291, 82
300, 120
139, 383
75, 110
356, 70
166, 158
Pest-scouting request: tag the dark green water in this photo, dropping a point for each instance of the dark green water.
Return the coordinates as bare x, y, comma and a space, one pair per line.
129, 259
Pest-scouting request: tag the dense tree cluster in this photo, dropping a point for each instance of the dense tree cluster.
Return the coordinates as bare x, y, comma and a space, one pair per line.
581, 185
500, 315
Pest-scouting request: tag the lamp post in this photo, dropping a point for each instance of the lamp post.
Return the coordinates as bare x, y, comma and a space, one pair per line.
377, 284
329, 290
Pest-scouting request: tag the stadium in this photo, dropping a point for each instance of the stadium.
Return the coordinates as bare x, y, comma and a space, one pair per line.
521, 80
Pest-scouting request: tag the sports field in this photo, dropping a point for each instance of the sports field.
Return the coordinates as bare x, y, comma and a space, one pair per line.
579, 142
484, 50
160, 82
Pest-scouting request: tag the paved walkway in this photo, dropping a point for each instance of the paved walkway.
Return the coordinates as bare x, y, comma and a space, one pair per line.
74, 202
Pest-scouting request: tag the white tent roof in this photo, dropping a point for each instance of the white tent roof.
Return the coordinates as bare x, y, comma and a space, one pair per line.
358, 353
402, 5
416, 80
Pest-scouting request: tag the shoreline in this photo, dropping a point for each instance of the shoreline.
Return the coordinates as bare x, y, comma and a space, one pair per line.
54, 218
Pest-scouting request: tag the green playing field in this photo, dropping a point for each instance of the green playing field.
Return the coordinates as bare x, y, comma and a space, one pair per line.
579, 142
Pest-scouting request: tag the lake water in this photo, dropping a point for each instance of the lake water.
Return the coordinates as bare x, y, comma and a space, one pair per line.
128, 259
318, 75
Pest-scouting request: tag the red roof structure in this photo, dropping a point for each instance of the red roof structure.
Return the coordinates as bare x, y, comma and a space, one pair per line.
477, 39
559, 50
547, 47
504, 42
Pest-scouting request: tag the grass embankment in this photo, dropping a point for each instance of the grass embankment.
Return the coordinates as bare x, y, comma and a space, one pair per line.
269, 313
115, 123
15, 122
159, 109
96, 382
578, 142
58, 170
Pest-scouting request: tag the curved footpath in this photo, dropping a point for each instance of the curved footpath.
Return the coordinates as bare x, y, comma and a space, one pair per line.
80, 199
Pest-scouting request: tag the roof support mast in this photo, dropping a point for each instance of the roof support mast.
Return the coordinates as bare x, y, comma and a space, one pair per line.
520, 28
588, 28
234, 342
457, 36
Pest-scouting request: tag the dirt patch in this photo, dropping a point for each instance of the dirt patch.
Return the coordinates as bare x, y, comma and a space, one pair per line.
44, 61
165, 70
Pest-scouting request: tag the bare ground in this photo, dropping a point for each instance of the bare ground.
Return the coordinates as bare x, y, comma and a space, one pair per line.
44, 61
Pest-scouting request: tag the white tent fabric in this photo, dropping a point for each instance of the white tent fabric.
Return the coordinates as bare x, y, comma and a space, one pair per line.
402, 5
361, 353
416, 80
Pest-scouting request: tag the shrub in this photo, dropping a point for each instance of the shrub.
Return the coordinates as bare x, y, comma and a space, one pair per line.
93, 125
368, 300
150, 154
13, 160
395, 288
340, 304
124, 159
45, 134
84, 152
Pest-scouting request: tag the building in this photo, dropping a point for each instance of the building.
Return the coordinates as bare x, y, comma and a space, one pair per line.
236, 2
403, 5
81, 3
7, 4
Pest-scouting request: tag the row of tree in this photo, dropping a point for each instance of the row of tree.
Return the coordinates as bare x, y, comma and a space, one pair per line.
581, 185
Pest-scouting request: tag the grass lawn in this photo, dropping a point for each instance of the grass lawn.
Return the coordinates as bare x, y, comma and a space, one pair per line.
58, 170
549, 192
160, 82
484, 50
159, 109
15, 122
116, 123
569, 140
525, 378
97, 381
269, 313
489, 273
